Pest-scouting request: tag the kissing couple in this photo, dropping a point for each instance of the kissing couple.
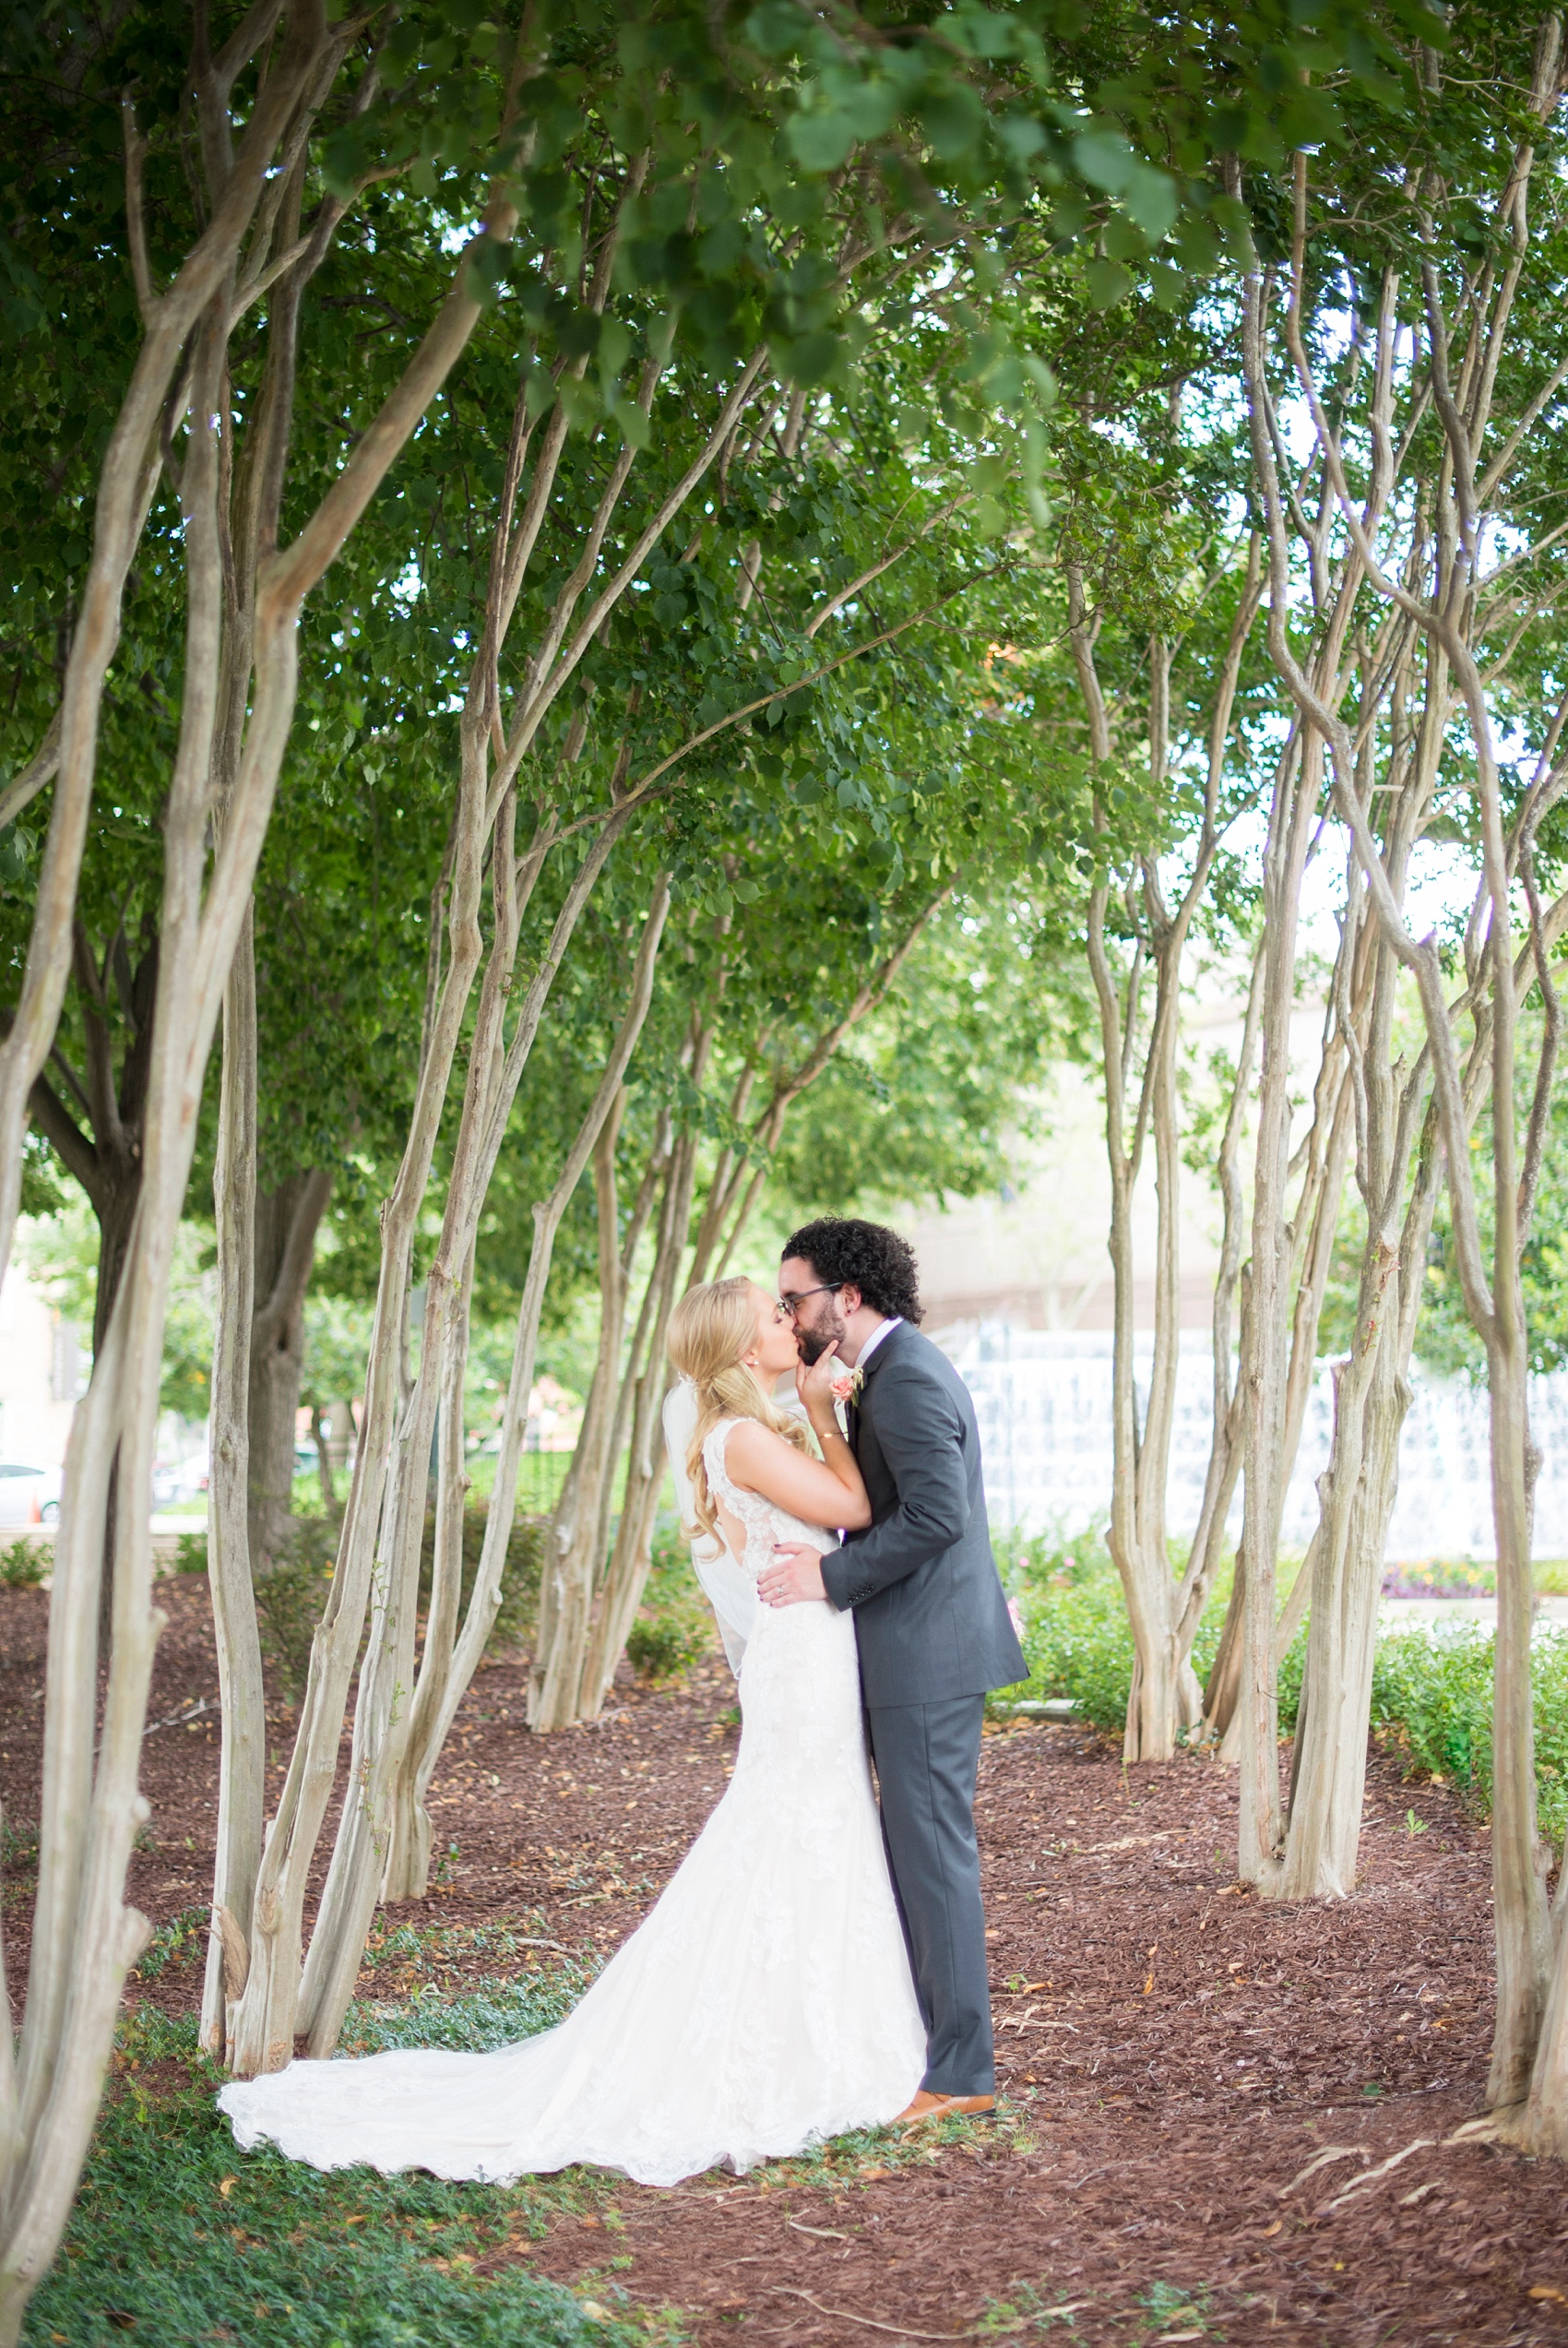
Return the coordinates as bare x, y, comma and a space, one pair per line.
813, 1966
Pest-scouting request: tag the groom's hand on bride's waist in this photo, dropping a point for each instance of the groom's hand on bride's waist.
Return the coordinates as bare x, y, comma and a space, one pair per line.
794, 1575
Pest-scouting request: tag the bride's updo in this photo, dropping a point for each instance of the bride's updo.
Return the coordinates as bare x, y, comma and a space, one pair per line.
710, 1330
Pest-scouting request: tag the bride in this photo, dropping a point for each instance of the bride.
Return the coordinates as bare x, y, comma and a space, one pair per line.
766, 2001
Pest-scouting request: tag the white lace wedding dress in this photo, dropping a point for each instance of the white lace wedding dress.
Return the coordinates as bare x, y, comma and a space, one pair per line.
765, 2004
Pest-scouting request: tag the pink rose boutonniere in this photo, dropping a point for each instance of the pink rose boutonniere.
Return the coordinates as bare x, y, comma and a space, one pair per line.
847, 1387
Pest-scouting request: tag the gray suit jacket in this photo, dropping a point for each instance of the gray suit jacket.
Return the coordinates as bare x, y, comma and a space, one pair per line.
930, 1614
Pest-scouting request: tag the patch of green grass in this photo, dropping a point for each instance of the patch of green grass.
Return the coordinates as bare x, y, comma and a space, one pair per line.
18, 1845
493, 2013
1171, 2312
171, 1941
253, 2250
1027, 2309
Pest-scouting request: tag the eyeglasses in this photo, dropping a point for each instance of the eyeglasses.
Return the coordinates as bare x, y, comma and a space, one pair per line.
791, 1304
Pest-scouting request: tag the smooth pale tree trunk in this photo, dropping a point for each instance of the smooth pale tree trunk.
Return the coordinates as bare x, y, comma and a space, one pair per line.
381, 1713
1295, 809
608, 1402
638, 1432
85, 1936
106, 1159
580, 1526
1264, 1362
626, 1573
1371, 1395
242, 1751
1164, 1699
287, 1221
326, 1472
555, 1684
1225, 1446
1371, 1391
234, 1547
441, 1685
1310, 1234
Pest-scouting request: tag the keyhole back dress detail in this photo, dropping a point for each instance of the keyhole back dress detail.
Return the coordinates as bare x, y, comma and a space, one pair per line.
765, 2002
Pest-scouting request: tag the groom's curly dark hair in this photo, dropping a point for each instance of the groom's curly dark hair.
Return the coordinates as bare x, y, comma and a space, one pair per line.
845, 1251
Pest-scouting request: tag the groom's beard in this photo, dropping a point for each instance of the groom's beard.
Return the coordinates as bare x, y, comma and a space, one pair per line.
814, 1342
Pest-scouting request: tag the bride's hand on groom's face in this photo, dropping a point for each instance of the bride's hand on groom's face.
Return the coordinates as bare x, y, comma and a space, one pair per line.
795, 1575
813, 1380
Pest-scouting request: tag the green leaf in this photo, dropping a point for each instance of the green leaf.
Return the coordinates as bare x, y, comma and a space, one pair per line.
1020, 135
811, 359
631, 422
820, 142
1107, 283
1151, 199
775, 29
1105, 159
953, 120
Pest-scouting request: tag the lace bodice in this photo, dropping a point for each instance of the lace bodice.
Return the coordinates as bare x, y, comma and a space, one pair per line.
764, 1522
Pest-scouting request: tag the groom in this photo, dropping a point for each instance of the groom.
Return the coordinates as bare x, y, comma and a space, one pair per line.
931, 1620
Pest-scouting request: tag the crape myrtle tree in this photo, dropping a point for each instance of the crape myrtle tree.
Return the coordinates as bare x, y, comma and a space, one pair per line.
209, 212
1455, 277
1143, 695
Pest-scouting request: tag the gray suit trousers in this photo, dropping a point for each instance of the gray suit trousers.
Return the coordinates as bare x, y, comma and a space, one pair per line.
927, 1756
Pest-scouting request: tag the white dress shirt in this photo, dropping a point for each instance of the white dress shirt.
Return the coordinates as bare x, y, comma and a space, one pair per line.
882, 1329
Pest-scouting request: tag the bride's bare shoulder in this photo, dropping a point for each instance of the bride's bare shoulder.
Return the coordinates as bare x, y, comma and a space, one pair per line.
749, 1445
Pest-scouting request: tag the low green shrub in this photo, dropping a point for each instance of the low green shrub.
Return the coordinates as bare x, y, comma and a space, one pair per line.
674, 1625
190, 1552
1077, 1639
520, 1576
291, 1597
24, 1563
1432, 1706
662, 1649
1432, 1688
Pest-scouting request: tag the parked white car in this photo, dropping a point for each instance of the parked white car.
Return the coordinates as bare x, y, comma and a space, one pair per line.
29, 1495
177, 1480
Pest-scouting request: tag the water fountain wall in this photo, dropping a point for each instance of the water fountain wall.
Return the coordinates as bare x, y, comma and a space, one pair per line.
1043, 1401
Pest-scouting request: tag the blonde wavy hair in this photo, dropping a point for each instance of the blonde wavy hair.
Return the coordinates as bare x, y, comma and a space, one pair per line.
709, 1329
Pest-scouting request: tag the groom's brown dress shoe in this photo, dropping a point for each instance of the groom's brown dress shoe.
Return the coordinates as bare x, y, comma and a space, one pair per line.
927, 2106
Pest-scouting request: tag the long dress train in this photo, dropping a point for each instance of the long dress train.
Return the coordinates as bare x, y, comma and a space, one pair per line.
765, 2003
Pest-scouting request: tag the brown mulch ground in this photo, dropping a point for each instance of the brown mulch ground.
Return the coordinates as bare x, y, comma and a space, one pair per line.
1173, 2053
